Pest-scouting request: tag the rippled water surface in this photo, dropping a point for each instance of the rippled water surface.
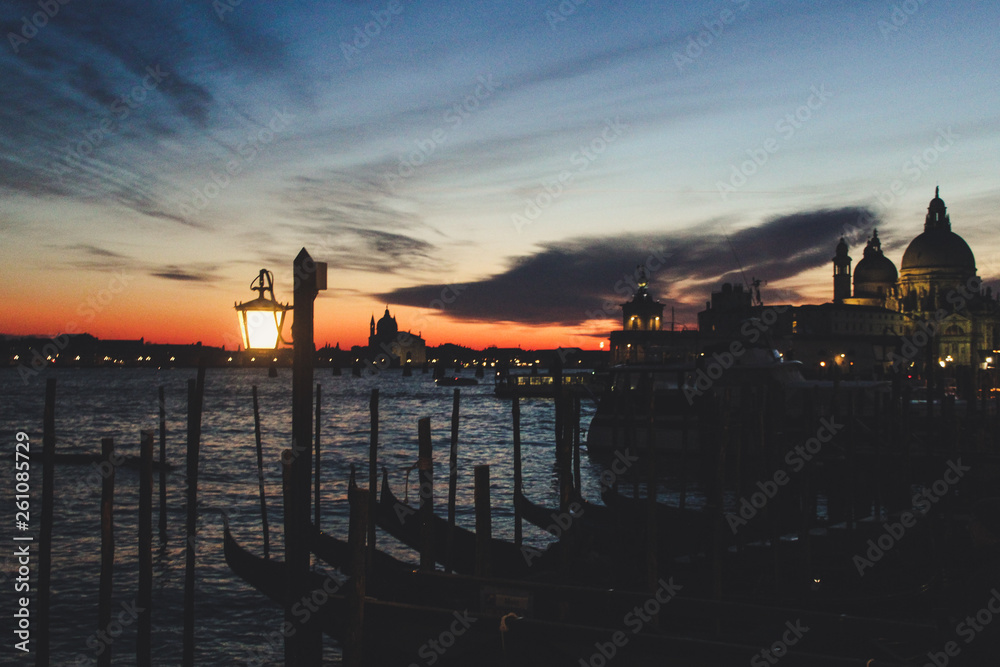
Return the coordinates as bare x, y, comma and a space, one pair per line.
232, 619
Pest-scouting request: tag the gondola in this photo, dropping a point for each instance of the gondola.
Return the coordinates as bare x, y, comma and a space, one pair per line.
562, 625
508, 560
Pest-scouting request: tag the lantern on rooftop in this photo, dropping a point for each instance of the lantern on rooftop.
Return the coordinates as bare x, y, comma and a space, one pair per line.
262, 318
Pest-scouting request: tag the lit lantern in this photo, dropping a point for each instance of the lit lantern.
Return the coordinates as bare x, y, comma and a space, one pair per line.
262, 318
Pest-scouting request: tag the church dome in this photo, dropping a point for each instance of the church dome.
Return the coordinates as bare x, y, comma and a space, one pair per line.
387, 325
938, 247
875, 267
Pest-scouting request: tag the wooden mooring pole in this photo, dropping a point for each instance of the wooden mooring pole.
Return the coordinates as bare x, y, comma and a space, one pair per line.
453, 480
288, 498
515, 407
45, 536
144, 634
316, 474
425, 469
360, 519
163, 464
107, 544
260, 473
310, 277
196, 392
484, 521
372, 473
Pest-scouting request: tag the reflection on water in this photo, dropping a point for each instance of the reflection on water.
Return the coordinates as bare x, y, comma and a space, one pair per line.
233, 621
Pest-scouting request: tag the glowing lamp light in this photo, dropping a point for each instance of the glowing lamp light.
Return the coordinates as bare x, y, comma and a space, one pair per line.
262, 318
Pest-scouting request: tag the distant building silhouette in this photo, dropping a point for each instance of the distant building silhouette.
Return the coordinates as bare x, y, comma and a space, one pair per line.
930, 317
642, 338
387, 342
936, 289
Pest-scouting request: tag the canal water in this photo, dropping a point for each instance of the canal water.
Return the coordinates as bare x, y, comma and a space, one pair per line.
234, 621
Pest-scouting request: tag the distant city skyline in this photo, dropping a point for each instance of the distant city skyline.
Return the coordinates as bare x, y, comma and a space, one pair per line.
493, 174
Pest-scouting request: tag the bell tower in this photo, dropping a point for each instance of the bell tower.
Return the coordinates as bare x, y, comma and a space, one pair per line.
841, 273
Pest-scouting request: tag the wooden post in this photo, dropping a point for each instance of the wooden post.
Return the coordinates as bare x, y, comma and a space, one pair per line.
484, 524
316, 475
45, 536
143, 644
515, 406
425, 470
652, 569
354, 647
288, 502
163, 465
452, 480
372, 473
196, 390
682, 502
260, 473
107, 544
309, 278
576, 446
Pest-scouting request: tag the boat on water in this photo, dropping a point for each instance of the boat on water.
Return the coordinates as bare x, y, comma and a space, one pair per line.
669, 396
542, 385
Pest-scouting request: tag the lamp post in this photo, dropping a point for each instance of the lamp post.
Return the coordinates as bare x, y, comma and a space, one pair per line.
260, 325
262, 318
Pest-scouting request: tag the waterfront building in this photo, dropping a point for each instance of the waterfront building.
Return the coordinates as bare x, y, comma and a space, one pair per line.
388, 344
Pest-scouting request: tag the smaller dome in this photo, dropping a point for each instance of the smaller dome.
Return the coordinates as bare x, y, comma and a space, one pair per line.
875, 267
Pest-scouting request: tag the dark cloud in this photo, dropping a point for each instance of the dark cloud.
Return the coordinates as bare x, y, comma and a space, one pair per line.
567, 283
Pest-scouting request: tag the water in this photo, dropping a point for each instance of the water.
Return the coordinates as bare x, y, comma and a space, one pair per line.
233, 620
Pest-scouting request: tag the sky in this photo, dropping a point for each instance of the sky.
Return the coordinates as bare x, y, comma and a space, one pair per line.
492, 172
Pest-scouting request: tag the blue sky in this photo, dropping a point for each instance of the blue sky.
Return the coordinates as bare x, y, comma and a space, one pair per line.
531, 153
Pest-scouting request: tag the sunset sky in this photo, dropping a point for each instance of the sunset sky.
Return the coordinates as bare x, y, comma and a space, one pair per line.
518, 158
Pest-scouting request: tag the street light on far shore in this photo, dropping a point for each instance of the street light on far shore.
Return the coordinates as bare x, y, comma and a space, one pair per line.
261, 319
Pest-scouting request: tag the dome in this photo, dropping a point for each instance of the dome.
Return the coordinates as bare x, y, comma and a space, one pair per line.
938, 247
387, 325
875, 267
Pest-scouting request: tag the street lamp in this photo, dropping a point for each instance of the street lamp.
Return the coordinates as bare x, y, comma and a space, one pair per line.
262, 318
